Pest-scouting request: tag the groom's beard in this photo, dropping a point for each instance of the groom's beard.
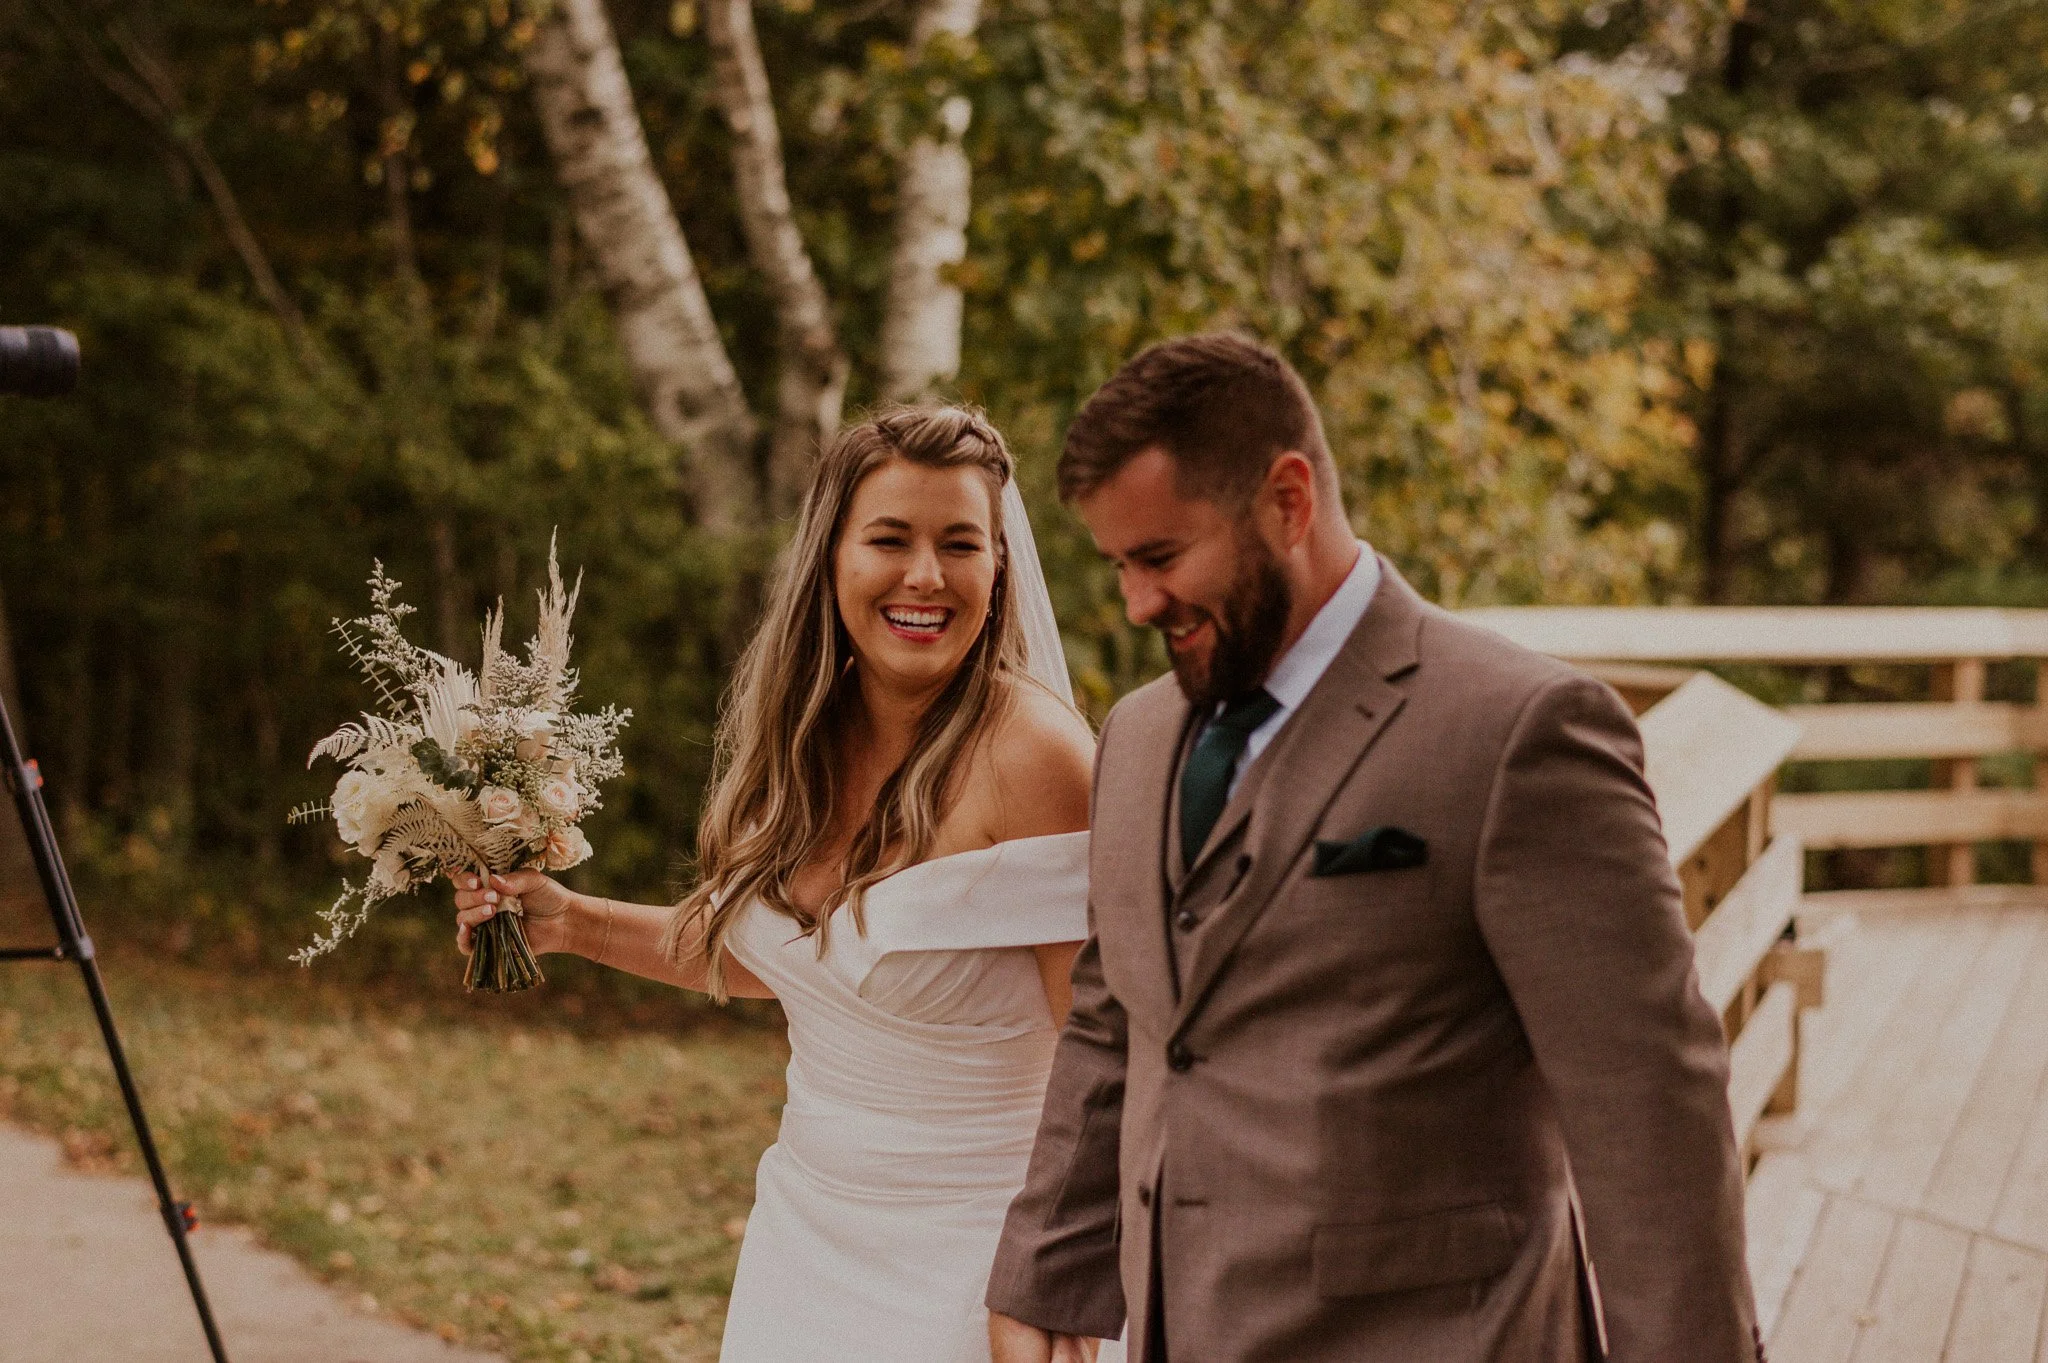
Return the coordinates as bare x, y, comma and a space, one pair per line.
1247, 633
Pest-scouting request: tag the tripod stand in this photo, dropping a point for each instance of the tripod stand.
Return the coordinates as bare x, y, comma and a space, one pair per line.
73, 945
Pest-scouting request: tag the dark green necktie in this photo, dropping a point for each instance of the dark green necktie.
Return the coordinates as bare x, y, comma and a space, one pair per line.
1205, 780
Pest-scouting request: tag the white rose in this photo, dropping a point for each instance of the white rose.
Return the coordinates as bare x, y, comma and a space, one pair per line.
350, 803
566, 847
559, 796
497, 804
363, 805
390, 874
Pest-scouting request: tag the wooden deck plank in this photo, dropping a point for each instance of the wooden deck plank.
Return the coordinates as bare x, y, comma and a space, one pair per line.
1825, 1310
1973, 1169
1998, 1316
1902, 1215
1924, 1113
1782, 1212
1870, 968
1847, 1129
2022, 1214
1908, 1317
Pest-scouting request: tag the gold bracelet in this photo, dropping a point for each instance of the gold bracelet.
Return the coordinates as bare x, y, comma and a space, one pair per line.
605, 945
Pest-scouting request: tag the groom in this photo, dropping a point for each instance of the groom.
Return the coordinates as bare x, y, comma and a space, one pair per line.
1388, 1031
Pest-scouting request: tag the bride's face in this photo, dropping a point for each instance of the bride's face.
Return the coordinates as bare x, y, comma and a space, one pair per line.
914, 571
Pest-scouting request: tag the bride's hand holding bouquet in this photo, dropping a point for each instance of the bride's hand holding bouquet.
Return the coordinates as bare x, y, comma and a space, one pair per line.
468, 776
554, 918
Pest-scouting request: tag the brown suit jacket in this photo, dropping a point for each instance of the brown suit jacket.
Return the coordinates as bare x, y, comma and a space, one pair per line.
1347, 1114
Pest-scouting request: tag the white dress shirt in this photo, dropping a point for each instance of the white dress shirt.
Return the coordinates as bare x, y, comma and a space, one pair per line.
1303, 665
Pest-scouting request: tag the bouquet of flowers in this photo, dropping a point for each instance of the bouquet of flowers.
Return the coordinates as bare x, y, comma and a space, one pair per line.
463, 773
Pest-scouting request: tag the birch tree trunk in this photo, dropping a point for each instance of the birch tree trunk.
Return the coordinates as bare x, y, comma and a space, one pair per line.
811, 382
678, 361
921, 323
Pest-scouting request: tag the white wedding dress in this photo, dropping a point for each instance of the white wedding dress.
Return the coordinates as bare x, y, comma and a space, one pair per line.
918, 1060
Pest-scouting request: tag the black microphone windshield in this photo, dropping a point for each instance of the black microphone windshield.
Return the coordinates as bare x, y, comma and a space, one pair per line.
37, 362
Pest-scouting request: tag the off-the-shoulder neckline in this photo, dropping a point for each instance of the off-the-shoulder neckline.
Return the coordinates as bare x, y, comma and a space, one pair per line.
975, 852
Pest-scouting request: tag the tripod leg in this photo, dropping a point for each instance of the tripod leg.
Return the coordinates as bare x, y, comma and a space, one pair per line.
177, 1215
73, 943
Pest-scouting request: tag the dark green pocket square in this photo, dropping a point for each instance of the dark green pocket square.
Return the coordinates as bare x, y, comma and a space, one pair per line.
1385, 848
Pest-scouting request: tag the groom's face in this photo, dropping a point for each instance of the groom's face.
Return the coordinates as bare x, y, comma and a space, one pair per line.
1194, 570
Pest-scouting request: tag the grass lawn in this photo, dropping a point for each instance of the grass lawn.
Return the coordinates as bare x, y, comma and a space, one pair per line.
558, 1193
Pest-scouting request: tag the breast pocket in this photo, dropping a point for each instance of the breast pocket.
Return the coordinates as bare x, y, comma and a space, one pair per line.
1383, 909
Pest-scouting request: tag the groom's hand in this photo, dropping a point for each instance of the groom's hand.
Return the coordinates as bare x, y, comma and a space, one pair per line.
1012, 1341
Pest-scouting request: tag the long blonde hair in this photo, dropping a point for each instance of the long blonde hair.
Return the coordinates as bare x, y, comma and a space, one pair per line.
775, 782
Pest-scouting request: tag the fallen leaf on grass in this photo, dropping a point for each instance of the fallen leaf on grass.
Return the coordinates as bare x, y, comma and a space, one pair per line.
616, 1278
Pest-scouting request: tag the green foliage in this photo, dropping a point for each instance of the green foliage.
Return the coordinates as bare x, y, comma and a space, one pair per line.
1452, 216
1858, 263
1445, 229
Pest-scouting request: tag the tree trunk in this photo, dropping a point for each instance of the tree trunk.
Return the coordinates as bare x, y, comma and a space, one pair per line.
921, 324
1722, 456
267, 738
18, 890
174, 741
811, 384
678, 361
1721, 470
395, 166
449, 623
10, 688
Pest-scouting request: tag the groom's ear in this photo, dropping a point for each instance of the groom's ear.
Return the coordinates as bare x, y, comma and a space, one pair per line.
1289, 496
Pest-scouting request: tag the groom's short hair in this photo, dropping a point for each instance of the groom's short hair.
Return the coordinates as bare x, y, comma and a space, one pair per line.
1223, 406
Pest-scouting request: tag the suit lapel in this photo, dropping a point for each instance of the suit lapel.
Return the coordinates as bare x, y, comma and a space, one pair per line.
1129, 866
1315, 752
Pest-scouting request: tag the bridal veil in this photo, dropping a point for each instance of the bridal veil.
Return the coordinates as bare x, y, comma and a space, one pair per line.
1045, 655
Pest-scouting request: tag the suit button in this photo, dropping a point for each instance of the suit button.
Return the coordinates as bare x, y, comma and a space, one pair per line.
1144, 1194
1185, 920
1177, 1057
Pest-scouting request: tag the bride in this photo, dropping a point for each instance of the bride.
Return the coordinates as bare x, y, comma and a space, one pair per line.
894, 846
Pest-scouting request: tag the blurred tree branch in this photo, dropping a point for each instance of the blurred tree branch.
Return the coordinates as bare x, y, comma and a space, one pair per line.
153, 92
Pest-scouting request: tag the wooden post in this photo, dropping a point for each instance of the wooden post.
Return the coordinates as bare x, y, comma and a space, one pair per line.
1962, 682
2041, 767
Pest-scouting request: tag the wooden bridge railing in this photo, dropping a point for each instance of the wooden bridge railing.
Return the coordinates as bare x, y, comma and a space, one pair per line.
1952, 729
1713, 754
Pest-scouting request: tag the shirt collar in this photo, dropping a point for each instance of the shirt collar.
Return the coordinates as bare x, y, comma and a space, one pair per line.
1303, 665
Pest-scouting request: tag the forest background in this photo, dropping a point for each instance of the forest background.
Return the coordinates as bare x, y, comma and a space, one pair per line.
1657, 301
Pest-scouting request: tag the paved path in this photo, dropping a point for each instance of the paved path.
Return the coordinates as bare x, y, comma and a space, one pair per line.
88, 1275
1902, 1216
